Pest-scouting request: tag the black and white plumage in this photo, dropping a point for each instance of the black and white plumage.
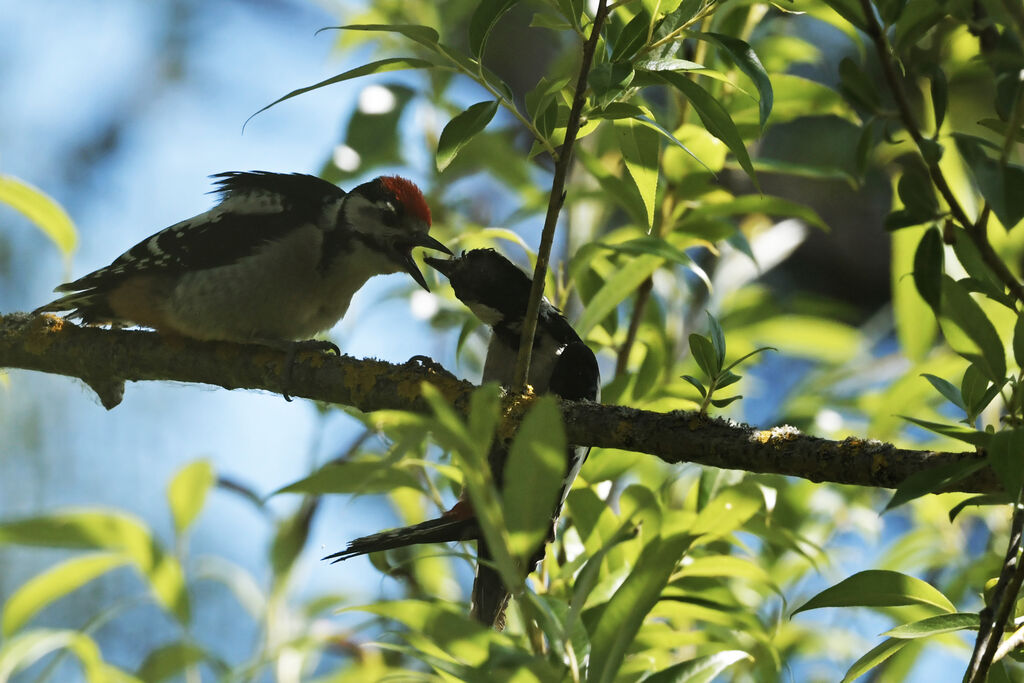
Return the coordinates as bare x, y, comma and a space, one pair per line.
277, 260
498, 292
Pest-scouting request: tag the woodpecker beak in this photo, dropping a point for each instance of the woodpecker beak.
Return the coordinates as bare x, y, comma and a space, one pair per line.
444, 266
420, 240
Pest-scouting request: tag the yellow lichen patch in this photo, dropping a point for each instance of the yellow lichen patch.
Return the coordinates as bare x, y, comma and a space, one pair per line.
45, 329
776, 435
514, 408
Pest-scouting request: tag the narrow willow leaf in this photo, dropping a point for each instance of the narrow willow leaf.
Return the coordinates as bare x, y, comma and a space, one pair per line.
873, 658
460, 129
620, 619
379, 66
49, 586
879, 588
748, 62
933, 626
622, 283
533, 476
928, 268
986, 499
486, 15
367, 475
932, 480
715, 118
717, 338
704, 353
41, 210
640, 146
966, 314
187, 493
1006, 456
947, 389
700, 670
173, 659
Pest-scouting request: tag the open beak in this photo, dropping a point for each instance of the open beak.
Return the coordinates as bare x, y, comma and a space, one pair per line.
421, 240
442, 265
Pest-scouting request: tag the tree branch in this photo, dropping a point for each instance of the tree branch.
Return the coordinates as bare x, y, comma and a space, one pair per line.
108, 358
556, 199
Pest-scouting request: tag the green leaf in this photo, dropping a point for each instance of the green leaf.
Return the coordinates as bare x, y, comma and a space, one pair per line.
725, 514
373, 136
534, 474
696, 383
723, 402
934, 479
717, 338
1006, 457
933, 626
999, 184
947, 389
747, 61
424, 35
41, 210
873, 658
379, 66
700, 670
966, 314
928, 268
54, 583
917, 193
609, 80
24, 650
654, 246
1018, 341
623, 282
879, 588
703, 351
978, 501
640, 146
367, 475
618, 622
460, 129
187, 493
857, 86
171, 660
714, 117
486, 15
632, 38
755, 203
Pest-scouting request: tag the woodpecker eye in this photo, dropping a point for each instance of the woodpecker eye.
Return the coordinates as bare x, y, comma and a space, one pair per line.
389, 214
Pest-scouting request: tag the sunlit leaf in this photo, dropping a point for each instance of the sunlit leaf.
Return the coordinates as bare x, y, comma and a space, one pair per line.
879, 588
41, 210
748, 62
616, 288
932, 626
1006, 456
700, 670
367, 475
54, 583
187, 492
172, 660
714, 116
640, 146
533, 476
873, 658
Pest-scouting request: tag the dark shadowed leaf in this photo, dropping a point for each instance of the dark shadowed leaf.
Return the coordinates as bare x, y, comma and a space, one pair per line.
928, 268
1006, 456
461, 128
965, 313
933, 480
486, 15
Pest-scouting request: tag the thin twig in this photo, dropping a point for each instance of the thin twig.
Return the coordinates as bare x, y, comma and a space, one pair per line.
1004, 597
555, 201
975, 230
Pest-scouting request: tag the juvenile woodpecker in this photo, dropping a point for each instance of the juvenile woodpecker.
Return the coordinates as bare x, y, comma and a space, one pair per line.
276, 261
497, 292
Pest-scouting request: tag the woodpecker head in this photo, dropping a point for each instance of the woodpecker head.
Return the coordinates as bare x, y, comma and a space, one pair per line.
390, 215
490, 285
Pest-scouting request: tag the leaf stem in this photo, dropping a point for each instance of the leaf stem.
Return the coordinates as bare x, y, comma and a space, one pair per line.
555, 201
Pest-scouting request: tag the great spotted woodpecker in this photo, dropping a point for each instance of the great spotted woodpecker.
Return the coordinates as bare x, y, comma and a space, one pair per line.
276, 261
497, 292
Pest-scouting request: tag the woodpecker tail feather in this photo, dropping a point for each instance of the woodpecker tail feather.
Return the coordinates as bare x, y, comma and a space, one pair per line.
490, 597
440, 530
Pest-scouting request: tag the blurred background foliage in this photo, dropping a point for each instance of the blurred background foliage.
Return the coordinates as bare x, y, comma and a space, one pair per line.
738, 158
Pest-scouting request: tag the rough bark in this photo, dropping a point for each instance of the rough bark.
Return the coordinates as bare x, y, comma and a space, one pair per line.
105, 359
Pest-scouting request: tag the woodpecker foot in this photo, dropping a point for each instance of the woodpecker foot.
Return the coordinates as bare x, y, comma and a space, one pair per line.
292, 349
430, 364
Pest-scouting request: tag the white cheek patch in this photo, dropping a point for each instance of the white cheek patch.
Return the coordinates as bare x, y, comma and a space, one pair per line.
486, 314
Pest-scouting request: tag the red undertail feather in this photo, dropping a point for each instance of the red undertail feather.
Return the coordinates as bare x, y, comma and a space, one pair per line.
410, 196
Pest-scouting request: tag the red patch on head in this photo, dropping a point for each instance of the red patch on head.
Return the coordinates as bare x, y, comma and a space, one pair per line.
409, 195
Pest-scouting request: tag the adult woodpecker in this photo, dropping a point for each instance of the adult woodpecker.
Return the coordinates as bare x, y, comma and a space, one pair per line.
275, 262
497, 292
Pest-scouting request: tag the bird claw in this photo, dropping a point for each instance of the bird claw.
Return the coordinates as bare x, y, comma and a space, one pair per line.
430, 364
292, 349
